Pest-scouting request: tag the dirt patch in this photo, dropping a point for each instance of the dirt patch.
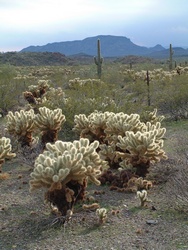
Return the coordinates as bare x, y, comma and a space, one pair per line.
26, 222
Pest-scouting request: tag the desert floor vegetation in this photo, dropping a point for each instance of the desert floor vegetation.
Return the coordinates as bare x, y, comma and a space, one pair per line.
54, 116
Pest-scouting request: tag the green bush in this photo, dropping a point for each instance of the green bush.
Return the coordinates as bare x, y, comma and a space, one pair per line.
172, 99
10, 89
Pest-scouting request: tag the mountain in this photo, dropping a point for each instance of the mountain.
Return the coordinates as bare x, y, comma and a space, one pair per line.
111, 46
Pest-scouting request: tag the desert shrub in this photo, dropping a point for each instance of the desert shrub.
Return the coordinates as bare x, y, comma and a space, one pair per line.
172, 98
10, 89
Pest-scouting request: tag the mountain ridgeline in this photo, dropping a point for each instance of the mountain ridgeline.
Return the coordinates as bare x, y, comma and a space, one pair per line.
111, 46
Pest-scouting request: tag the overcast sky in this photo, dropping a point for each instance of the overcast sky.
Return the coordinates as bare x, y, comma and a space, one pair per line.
145, 22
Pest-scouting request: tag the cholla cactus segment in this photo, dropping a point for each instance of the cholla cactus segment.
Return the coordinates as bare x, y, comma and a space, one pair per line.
91, 127
82, 124
157, 130
152, 117
66, 161
107, 151
20, 123
119, 123
99, 119
142, 195
102, 214
48, 119
5, 150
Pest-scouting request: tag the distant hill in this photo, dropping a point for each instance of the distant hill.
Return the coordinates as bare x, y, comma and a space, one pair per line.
34, 59
111, 46
178, 52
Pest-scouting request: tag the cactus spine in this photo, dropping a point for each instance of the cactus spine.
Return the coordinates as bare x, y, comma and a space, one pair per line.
98, 60
170, 59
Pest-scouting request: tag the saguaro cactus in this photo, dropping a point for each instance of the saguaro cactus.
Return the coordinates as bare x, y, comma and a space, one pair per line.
170, 58
98, 60
148, 88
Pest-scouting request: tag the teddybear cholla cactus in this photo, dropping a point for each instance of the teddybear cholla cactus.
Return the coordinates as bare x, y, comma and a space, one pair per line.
49, 122
65, 168
35, 93
21, 124
93, 126
142, 148
102, 214
124, 141
151, 117
5, 150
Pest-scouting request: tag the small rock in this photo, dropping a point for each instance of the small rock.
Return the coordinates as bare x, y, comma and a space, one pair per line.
152, 222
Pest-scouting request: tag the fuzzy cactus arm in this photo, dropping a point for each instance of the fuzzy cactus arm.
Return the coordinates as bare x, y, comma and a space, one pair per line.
91, 127
81, 123
5, 149
107, 151
99, 119
152, 117
119, 123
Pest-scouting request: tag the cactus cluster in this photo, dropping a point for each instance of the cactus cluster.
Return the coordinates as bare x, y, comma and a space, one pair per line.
125, 140
154, 75
24, 124
67, 165
39, 89
74, 83
44, 95
35, 93
54, 97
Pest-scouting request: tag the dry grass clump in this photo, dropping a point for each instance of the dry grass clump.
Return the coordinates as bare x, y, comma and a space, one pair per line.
177, 188
162, 172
